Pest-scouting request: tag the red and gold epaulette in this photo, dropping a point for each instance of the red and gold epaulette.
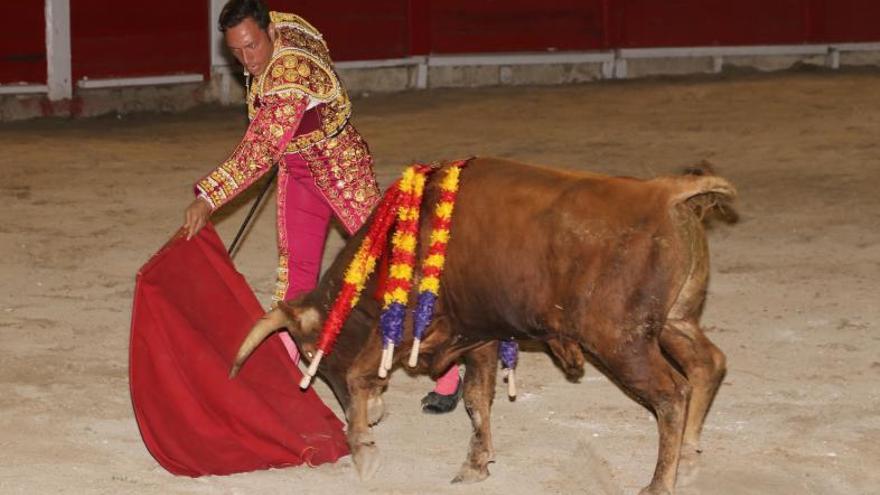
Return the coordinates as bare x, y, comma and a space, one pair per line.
292, 69
283, 19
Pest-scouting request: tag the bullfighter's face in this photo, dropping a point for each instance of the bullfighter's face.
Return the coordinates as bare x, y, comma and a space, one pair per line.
251, 45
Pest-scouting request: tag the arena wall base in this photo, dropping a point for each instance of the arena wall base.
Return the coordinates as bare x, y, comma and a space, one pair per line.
225, 86
103, 101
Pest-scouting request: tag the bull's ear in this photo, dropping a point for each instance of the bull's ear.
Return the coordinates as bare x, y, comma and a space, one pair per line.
305, 317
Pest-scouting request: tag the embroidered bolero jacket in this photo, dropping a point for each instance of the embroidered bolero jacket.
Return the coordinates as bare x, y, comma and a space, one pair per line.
298, 105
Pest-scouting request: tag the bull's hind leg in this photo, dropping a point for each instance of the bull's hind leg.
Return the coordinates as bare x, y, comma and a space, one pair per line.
704, 366
683, 340
639, 367
479, 392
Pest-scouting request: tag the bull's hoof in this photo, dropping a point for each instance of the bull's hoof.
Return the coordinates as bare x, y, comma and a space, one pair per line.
375, 410
471, 474
688, 466
365, 455
655, 490
366, 460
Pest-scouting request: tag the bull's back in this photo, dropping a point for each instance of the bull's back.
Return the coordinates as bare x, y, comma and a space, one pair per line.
531, 245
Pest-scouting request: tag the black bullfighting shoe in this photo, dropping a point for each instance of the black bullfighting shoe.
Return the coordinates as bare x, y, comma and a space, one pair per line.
435, 403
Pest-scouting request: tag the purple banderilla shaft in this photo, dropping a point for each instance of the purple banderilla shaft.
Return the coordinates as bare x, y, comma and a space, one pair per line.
423, 313
391, 322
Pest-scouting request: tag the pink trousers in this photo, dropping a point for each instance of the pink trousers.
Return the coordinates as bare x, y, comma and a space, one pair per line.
303, 219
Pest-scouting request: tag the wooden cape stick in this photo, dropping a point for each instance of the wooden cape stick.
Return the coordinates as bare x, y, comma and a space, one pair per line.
272, 173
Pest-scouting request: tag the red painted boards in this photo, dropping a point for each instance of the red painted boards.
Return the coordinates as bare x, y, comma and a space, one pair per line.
473, 26
648, 23
23, 42
845, 21
161, 37
130, 39
356, 30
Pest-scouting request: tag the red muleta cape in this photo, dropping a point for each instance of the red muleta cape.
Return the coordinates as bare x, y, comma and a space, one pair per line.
191, 311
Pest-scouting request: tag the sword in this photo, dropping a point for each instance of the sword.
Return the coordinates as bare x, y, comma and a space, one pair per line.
247, 219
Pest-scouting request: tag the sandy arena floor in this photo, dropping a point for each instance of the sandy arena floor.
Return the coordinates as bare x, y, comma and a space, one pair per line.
793, 299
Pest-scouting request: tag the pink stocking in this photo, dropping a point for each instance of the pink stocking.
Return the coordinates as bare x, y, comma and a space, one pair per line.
447, 383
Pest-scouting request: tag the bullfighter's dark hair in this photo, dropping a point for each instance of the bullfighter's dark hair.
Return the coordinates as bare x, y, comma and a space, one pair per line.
236, 11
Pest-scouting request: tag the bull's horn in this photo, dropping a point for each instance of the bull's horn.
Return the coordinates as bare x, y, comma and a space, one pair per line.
270, 322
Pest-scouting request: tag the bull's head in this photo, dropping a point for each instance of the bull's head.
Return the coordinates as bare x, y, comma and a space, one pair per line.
302, 321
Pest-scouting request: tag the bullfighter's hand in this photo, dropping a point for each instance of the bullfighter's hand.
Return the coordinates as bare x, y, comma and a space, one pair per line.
196, 216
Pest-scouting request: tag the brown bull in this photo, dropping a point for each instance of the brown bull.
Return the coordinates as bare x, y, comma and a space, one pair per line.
608, 267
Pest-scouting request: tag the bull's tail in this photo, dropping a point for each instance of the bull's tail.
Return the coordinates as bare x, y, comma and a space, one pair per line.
690, 186
269, 323
704, 192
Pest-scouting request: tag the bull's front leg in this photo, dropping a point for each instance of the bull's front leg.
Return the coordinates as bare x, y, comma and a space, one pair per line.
364, 390
479, 390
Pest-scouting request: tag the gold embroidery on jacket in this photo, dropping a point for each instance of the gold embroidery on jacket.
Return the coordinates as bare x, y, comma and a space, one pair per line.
292, 20
301, 63
293, 69
300, 70
260, 148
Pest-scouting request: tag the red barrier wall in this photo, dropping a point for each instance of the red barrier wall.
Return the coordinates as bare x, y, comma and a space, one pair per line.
648, 23
845, 21
23, 42
129, 39
357, 29
461, 26
395, 28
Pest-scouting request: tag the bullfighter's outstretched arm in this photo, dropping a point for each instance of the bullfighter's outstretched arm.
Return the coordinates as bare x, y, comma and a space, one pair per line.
271, 129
